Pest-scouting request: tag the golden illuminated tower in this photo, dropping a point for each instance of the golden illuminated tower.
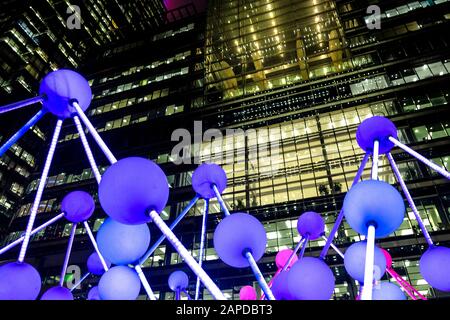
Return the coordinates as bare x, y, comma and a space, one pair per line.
254, 46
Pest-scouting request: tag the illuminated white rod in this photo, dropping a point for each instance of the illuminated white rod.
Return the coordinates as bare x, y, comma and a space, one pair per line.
220, 200
419, 157
339, 252
27, 126
368, 268
66, 259
87, 149
172, 226
79, 282
144, 282
410, 199
94, 244
20, 104
202, 245
289, 260
43, 226
112, 159
190, 261
40, 190
259, 276
375, 156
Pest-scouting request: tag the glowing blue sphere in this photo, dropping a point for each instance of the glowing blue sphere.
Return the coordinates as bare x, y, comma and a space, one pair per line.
311, 223
311, 279
355, 261
131, 188
19, 281
205, 176
119, 283
95, 266
376, 128
280, 287
93, 294
375, 202
78, 206
57, 293
122, 244
178, 280
387, 291
62, 86
237, 233
434, 267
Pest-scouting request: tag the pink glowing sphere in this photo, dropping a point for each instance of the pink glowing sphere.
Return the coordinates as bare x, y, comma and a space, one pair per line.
247, 293
283, 256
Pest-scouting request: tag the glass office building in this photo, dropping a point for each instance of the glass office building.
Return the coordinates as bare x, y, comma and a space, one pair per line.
297, 77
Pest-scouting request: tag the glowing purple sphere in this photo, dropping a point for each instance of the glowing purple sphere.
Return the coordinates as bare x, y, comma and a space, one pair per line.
122, 244
95, 266
93, 294
376, 128
178, 280
237, 233
387, 291
311, 223
280, 286
131, 188
311, 279
205, 176
376, 202
78, 206
19, 281
434, 267
119, 283
57, 293
355, 261
60, 87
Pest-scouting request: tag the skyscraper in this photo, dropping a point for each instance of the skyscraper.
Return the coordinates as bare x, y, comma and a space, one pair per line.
37, 37
298, 77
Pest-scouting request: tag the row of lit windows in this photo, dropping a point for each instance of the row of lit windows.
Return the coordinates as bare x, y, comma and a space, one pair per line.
132, 119
144, 82
155, 64
160, 93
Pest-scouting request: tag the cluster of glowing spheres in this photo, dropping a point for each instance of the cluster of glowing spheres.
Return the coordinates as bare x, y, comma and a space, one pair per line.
95, 266
310, 224
355, 261
310, 279
19, 281
207, 175
131, 188
57, 293
122, 244
178, 280
60, 88
374, 202
119, 283
236, 234
376, 128
434, 267
78, 206
247, 293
